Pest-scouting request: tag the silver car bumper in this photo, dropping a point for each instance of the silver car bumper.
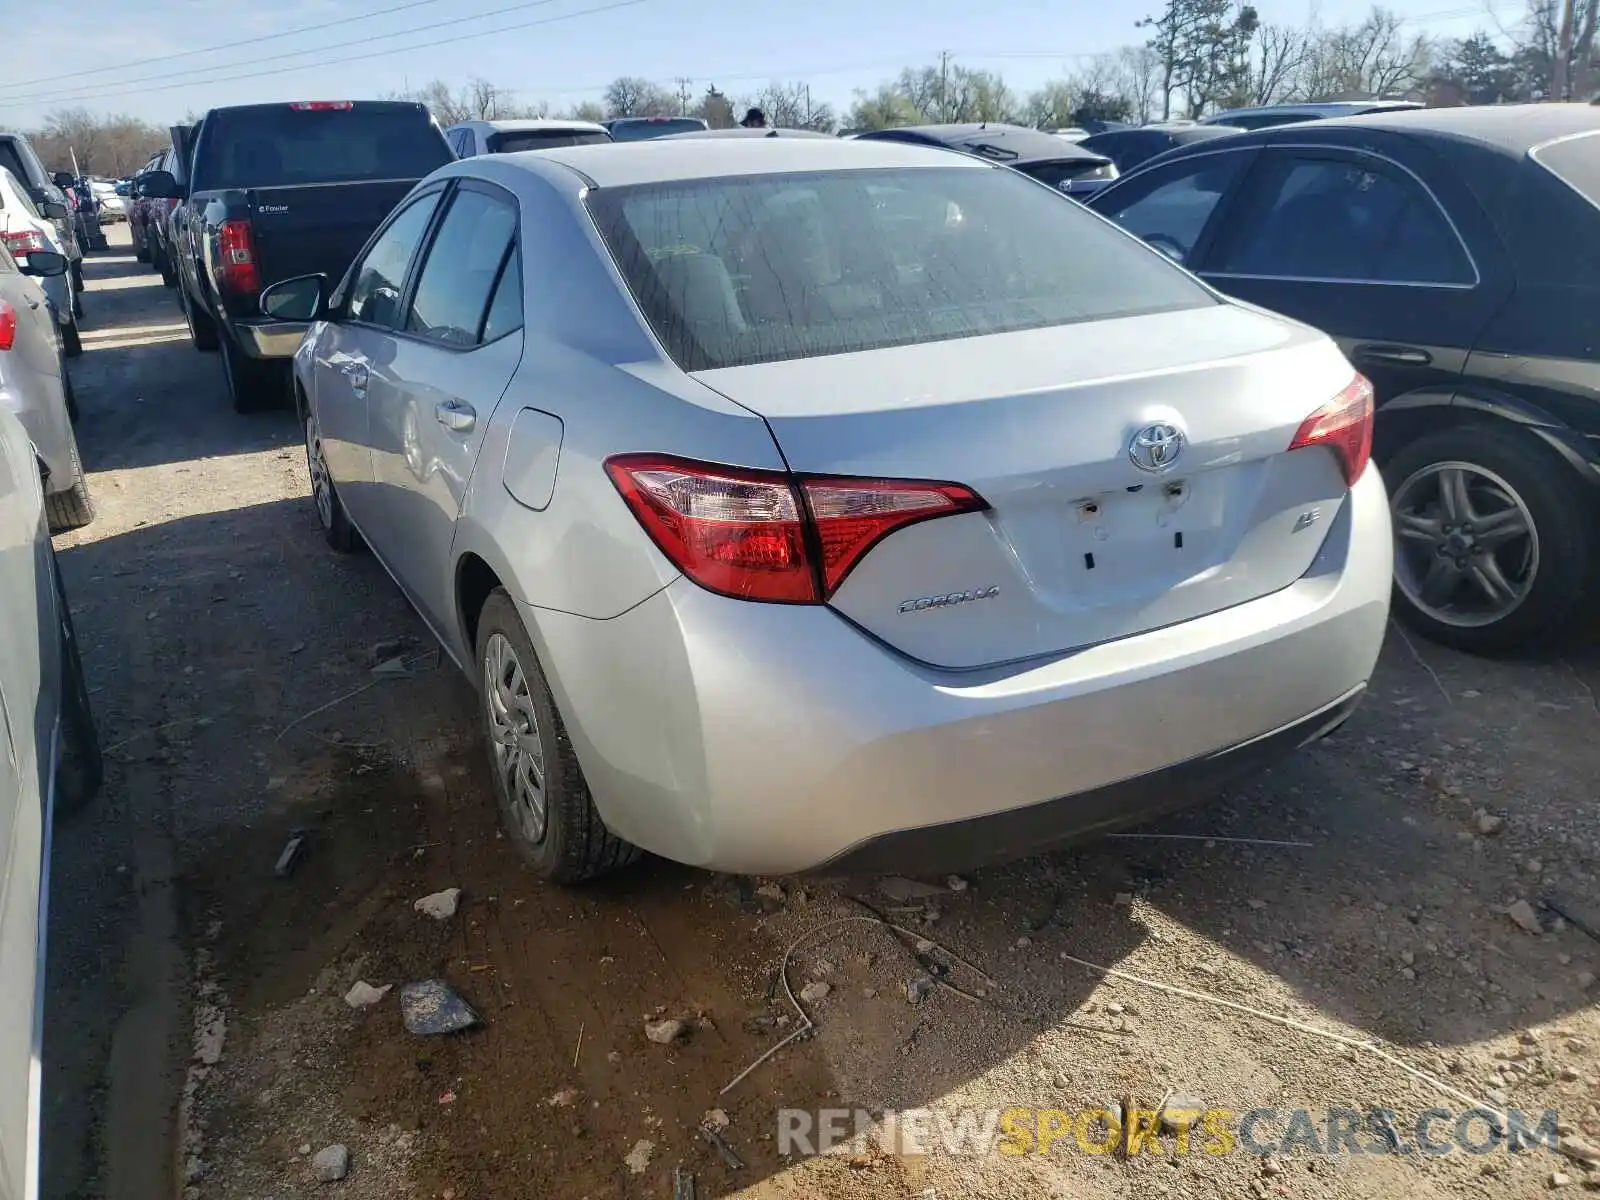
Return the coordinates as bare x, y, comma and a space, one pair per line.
767, 739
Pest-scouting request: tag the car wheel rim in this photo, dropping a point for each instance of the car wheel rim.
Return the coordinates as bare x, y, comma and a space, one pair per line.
321, 483
514, 734
1466, 546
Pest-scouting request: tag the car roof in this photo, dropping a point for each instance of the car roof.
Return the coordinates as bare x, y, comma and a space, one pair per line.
1515, 128
993, 140
746, 133
1319, 108
529, 125
662, 160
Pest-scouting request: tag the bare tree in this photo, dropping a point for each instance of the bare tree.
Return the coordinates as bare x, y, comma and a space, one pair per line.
1282, 52
1051, 106
589, 110
1372, 59
632, 96
108, 146
790, 106
1138, 80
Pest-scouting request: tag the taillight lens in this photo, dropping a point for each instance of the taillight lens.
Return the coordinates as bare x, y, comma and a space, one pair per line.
8, 326
25, 241
236, 258
1343, 425
767, 535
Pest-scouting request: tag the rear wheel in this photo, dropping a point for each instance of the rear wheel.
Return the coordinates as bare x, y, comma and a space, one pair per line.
141, 247
71, 509
71, 396
335, 522
202, 329
81, 768
1496, 539
169, 277
77, 274
544, 802
71, 340
253, 384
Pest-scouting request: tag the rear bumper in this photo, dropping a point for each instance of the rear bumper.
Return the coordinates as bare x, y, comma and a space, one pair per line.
266, 338
768, 739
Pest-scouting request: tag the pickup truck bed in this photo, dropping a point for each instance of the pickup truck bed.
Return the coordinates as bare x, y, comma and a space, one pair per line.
278, 191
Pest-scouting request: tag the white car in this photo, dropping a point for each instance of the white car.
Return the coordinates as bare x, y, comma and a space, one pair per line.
24, 229
49, 762
471, 138
112, 207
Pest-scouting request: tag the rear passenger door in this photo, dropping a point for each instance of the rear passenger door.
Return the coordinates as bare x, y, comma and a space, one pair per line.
454, 355
1360, 246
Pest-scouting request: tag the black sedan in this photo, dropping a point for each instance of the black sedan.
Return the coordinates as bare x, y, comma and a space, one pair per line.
1061, 163
1455, 256
1132, 147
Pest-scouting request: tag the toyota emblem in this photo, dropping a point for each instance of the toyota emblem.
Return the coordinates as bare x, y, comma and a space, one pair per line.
1156, 447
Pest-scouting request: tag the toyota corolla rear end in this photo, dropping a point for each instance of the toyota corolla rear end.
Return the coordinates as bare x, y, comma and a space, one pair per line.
1059, 540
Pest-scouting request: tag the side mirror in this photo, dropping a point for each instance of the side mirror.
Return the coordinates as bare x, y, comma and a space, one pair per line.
63, 179
43, 263
159, 185
304, 298
54, 210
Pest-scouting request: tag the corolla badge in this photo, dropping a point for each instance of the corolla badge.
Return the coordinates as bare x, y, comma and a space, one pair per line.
1156, 447
924, 603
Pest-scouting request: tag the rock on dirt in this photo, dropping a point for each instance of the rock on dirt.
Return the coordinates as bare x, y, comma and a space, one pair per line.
918, 990
815, 990
638, 1159
441, 906
363, 995
1522, 914
331, 1164
1181, 1112
664, 1032
432, 1006
897, 887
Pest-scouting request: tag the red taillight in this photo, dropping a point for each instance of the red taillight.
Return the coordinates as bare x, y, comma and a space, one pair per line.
322, 106
236, 258
8, 326
24, 241
1343, 425
766, 535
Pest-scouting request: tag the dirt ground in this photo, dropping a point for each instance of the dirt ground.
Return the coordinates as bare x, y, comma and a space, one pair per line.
198, 1042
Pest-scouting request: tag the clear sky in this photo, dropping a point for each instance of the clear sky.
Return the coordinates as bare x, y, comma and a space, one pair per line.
83, 56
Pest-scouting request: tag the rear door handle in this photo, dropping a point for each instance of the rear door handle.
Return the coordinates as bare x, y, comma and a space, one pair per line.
1404, 356
455, 415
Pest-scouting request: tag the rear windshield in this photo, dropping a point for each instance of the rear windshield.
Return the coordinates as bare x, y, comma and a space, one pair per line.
284, 146
544, 139
12, 161
771, 267
1576, 162
638, 131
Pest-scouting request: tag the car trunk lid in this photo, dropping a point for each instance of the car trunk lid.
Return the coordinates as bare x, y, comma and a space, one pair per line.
1080, 544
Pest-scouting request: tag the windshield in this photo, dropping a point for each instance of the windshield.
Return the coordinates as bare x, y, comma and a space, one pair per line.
643, 128
283, 146
544, 139
771, 267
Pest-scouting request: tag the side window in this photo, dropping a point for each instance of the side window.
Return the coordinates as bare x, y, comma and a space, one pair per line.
461, 143
1343, 219
380, 276
1173, 209
462, 268
505, 310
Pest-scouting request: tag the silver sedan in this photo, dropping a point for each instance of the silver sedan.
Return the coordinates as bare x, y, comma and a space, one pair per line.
813, 502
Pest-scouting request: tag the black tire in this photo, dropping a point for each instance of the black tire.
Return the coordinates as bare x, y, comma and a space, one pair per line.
575, 844
169, 277
82, 767
77, 303
1565, 518
71, 509
336, 527
202, 329
71, 396
77, 274
71, 341
141, 250
254, 384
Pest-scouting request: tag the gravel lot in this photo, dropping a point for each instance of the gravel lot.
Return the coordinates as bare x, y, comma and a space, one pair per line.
197, 1037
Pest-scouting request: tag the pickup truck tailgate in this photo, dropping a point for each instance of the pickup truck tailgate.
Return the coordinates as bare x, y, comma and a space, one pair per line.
300, 230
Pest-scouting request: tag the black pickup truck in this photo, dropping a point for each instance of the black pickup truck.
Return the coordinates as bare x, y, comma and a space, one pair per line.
275, 191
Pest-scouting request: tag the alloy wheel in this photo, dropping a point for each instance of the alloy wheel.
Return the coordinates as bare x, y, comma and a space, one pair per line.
514, 734
1466, 546
321, 482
